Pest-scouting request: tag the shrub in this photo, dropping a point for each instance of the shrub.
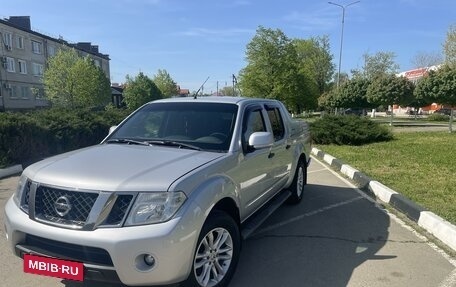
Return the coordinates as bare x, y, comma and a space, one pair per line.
348, 130
438, 118
27, 137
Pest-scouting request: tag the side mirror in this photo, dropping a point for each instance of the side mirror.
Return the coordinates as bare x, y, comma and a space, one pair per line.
259, 140
111, 129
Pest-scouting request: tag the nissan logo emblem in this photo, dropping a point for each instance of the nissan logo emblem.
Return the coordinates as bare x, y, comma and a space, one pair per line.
62, 206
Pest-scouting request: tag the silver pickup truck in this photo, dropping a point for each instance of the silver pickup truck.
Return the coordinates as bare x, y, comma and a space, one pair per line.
166, 197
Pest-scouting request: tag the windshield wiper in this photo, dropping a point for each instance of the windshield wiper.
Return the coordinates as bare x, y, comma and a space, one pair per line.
173, 143
128, 141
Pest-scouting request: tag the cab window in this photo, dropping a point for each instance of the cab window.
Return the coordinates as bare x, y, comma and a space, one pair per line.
276, 122
253, 122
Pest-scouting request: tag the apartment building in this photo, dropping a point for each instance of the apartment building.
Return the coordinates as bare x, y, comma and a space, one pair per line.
23, 57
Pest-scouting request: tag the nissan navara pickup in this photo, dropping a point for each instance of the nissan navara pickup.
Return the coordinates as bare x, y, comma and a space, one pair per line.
165, 198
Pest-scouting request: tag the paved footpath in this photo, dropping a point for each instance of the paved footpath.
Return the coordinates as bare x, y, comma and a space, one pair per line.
432, 223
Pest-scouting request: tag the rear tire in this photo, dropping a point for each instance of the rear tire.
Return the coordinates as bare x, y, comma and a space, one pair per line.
217, 252
299, 181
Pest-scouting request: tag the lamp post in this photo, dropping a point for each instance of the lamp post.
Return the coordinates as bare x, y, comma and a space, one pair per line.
342, 35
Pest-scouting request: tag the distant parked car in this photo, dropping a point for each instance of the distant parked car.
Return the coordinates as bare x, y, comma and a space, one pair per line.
413, 112
355, 111
443, 111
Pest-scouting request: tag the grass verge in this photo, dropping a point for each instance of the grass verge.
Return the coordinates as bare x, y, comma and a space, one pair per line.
421, 166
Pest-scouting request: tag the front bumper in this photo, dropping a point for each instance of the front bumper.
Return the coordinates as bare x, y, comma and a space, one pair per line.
171, 243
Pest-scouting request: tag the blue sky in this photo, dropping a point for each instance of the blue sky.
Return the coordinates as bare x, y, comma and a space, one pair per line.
196, 39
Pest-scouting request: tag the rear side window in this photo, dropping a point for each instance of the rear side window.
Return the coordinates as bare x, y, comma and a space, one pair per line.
276, 122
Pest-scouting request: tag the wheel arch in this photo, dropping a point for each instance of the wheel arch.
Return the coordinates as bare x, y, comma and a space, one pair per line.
228, 205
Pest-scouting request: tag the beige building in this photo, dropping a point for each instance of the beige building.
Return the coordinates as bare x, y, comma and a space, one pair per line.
23, 57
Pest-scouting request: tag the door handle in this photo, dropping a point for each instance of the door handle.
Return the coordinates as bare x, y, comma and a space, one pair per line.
287, 146
271, 155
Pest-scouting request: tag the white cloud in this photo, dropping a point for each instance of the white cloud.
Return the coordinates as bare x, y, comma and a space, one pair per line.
205, 32
311, 20
317, 19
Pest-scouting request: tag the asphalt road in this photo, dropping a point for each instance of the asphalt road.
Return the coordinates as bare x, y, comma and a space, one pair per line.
336, 237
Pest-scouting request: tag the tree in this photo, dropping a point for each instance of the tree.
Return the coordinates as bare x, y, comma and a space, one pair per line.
388, 90
423, 59
315, 59
272, 71
140, 90
379, 64
72, 81
94, 88
229, 92
353, 94
449, 47
439, 86
165, 84
329, 100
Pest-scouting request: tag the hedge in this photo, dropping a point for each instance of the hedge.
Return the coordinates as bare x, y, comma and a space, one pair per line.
31, 136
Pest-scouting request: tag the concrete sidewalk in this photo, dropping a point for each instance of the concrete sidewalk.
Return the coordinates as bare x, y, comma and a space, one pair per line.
432, 223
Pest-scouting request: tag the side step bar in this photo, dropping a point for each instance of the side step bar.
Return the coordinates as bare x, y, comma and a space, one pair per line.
258, 218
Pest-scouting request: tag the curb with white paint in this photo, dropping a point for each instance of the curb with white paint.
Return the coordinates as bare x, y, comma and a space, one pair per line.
432, 223
9, 171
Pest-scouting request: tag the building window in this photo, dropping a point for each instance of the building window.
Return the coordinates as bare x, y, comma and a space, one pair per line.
37, 69
13, 92
37, 47
97, 63
24, 92
51, 51
19, 42
8, 40
10, 67
22, 66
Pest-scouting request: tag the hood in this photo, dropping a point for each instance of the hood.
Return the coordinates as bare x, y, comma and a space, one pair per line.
119, 167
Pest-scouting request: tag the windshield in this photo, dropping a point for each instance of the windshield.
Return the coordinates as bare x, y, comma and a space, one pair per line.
206, 126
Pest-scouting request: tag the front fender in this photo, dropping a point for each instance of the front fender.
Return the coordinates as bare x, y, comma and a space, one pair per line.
212, 191
205, 196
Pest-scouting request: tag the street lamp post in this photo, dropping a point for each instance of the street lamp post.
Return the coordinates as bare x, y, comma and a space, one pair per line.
342, 35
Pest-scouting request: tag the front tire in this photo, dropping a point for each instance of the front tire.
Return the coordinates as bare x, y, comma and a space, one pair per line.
299, 181
217, 252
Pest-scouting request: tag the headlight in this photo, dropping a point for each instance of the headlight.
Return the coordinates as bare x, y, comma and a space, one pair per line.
155, 207
20, 190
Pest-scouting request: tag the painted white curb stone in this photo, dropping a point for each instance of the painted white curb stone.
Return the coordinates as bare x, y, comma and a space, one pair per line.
381, 191
328, 159
348, 171
438, 227
5, 172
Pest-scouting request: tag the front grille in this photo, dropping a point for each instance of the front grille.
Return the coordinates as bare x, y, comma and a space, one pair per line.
119, 210
80, 204
85, 254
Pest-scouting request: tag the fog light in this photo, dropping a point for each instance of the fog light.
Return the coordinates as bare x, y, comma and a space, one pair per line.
149, 259
145, 262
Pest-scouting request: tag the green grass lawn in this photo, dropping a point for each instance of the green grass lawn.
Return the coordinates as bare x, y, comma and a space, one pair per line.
421, 166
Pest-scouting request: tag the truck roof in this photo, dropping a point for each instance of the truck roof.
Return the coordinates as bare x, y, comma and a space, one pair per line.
213, 99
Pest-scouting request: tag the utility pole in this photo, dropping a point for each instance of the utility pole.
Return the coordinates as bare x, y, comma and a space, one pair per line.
234, 85
342, 35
